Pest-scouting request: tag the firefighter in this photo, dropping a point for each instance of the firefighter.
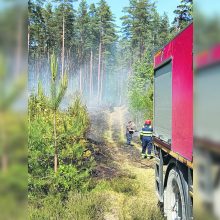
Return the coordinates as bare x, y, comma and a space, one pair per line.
130, 129
146, 139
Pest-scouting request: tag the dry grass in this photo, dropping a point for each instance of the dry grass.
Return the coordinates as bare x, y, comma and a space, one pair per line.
127, 195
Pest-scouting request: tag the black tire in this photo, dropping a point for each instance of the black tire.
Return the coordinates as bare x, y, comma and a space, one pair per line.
176, 196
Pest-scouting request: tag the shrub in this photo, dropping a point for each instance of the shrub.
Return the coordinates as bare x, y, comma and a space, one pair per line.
75, 160
89, 206
50, 207
125, 185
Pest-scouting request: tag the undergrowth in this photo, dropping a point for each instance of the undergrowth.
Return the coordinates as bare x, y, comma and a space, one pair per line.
117, 198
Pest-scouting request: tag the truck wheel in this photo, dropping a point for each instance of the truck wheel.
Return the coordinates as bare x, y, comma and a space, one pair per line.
175, 207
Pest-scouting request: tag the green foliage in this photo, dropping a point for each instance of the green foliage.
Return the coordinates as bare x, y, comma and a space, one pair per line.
125, 185
142, 211
106, 23
93, 27
82, 25
140, 89
144, 32
84, 30
50, 207
184, 14
85, 206
119, 198
143, 28
70, 178
74, 164
88, 206
57, 94
67, 193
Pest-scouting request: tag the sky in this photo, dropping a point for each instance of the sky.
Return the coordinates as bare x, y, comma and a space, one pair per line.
206, 8
167, 6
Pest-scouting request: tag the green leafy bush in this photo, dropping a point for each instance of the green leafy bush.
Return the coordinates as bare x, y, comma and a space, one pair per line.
75, 163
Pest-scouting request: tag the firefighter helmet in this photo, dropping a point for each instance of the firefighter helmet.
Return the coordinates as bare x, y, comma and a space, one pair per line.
148, 122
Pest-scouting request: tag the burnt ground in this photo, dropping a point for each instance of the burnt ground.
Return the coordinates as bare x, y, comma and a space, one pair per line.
107, 134
129, 181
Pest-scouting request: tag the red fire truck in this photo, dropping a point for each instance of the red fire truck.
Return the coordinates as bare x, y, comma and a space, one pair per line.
173, 125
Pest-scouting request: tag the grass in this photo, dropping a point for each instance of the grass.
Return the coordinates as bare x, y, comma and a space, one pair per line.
123, 198
128, 196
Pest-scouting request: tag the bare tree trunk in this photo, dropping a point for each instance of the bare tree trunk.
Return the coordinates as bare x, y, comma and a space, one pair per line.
55, 143
80, 68
99, 69
28, 42
90, 75
80, 78
63, 48
120, 88
69, 65
38, 69
101, 82
85, 77
87, 81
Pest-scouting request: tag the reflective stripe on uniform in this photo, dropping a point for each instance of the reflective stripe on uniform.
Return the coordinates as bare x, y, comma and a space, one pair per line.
146, 133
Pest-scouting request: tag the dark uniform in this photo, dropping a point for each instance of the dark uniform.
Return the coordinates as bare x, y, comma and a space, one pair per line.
146, 138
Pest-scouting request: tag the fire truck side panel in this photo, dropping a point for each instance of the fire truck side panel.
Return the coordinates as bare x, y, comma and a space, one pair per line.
179, 50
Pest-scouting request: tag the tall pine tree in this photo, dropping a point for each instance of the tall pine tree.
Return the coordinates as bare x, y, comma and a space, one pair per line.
184, 14
107, 36
82, 32
65, 18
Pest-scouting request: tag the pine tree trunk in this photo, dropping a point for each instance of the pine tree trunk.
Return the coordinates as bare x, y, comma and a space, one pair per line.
85, 77
99, 69
80, 78
90, 75
28, 38
55, 143
119, 88
38, 69
80, 68
63, 48
102, 81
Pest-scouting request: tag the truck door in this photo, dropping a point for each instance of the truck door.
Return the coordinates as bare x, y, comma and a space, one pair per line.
163, 102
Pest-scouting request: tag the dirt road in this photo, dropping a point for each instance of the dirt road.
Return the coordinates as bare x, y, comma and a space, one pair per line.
132, 178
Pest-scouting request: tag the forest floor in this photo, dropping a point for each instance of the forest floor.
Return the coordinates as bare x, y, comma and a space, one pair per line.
122, 185
130, 177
